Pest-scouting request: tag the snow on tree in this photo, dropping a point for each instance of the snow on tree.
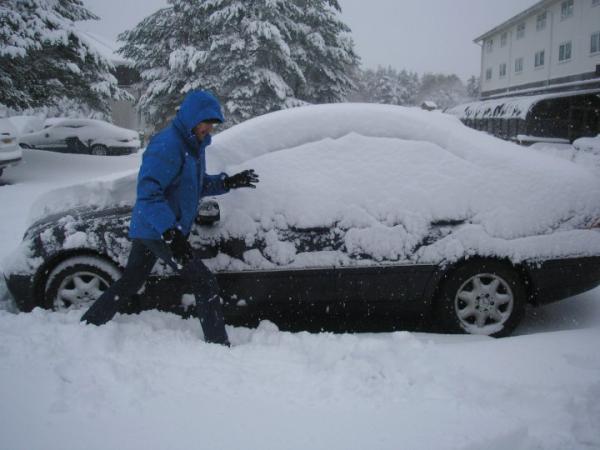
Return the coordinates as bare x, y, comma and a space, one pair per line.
256, 57
166, 51
444, 90
46, 63
473, 87
324, 50
249, 59
387, 85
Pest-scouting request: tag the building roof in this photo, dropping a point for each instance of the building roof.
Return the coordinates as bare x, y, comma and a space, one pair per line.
515, 19
507, 107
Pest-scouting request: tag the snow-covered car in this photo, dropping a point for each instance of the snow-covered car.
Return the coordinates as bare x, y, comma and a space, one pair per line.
10, 152
89, 136
588, 144
366, 214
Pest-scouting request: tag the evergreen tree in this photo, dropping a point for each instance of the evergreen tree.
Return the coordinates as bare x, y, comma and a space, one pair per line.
473, 87
249, 59
257, 56
387, 85
445, 90
46, 63
324, 50
158, 45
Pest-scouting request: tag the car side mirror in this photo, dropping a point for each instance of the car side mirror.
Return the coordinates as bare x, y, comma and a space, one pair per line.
208, 213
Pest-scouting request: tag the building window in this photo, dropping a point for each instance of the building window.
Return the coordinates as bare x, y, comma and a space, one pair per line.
489, 45
564, 52
488, 74
521, 30
541, 21
566, 9
595, 42
539, 58
504, 38
519, 65
502, 70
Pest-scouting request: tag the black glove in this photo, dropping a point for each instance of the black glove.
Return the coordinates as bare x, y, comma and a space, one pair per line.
242, 179
179, 245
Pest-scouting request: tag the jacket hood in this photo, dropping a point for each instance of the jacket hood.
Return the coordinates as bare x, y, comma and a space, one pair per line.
198, 106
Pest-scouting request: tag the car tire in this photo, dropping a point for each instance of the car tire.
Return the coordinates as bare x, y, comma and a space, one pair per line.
99, 150
484, 297
77, 282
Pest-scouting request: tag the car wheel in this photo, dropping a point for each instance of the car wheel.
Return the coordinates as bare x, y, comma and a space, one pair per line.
483, 297
99, 150
78, 281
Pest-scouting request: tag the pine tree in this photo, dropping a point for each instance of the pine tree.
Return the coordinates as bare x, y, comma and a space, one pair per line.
387, 85
473, 87
257, 56
445, 90
46, 63
324, 50
249, 60
158, 45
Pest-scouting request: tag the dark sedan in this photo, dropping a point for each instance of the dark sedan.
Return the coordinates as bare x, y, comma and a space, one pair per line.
479, 295
366, 215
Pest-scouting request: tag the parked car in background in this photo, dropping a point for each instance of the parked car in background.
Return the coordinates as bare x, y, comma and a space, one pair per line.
87, 136
10, 152
365, 214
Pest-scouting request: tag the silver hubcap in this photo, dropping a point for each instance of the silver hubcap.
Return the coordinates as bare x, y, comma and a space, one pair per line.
79, 289
99, 151
483, 302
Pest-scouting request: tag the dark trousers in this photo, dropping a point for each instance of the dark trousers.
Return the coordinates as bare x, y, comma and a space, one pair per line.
196, 277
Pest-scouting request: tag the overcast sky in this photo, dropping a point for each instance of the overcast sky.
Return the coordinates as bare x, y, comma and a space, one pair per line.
432, 36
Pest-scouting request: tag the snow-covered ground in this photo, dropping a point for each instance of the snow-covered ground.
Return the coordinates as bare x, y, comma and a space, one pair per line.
150, 382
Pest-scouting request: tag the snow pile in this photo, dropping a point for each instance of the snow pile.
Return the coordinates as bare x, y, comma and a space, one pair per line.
588, 144
382, 174
104, 192
151, 380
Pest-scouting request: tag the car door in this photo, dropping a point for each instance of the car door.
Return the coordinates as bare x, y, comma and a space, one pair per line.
382, 288
50, 138
258, 285
379, 287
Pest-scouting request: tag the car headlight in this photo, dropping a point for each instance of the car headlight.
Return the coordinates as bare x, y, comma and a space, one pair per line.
9, 140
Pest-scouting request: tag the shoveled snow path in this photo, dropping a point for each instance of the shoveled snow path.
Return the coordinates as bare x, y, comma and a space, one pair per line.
149, 382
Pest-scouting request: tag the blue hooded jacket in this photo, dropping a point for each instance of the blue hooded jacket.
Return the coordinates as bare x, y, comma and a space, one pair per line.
172, 177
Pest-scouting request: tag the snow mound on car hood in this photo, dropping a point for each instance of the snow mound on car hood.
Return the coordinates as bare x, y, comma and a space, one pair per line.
103, 192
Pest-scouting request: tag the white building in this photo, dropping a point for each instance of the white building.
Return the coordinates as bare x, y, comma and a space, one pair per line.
540, 75
552, 46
